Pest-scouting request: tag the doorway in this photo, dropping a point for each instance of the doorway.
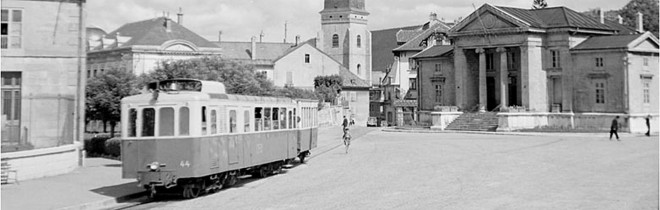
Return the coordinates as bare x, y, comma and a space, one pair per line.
491, 98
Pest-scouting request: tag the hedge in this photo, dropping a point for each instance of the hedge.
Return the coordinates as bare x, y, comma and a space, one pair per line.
113, 147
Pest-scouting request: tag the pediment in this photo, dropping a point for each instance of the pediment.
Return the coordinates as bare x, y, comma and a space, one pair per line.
646, 45
487, 20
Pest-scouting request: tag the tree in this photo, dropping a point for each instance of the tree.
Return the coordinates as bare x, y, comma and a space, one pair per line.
238, 78
104, 93
327, 87
649, 8
539, 4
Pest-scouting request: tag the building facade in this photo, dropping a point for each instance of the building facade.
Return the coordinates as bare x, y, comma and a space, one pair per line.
42, 78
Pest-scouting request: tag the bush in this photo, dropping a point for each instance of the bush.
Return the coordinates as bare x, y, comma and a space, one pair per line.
113, 147
96, 145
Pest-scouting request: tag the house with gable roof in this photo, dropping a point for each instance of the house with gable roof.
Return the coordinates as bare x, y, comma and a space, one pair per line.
139, 46
552, 67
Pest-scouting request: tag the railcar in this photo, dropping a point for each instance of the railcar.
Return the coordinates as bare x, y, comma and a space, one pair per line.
189, 135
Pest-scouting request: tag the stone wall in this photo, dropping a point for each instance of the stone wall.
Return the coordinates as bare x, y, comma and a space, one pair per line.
39, 163
570, 121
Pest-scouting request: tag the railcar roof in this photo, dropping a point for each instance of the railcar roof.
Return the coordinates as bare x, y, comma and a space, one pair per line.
199, 96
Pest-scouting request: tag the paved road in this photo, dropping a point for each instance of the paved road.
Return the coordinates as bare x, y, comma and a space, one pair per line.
457, 171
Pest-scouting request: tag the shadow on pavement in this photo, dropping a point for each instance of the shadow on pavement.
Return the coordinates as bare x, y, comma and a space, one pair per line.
118, 191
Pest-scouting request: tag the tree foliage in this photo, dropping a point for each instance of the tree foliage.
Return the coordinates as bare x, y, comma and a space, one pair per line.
104, 92
327, 87
539, 4
649, 8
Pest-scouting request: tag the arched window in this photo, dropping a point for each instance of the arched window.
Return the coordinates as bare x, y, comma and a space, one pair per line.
335, 40
358, 69
359, 41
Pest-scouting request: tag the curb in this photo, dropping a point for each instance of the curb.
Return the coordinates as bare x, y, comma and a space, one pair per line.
496, 133
107, 203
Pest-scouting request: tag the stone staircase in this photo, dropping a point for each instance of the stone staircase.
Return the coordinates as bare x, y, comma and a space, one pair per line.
484, 121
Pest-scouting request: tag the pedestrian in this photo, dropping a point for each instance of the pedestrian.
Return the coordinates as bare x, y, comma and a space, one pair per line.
352, 121
614, 128
648, 125
344, 124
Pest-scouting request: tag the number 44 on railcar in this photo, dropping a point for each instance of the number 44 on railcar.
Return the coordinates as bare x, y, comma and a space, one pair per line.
189, 135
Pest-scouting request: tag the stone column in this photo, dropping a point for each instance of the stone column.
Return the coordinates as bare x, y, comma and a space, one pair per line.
482, 79
504, 77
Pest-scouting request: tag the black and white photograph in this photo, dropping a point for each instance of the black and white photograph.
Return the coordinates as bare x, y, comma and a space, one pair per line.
329, 104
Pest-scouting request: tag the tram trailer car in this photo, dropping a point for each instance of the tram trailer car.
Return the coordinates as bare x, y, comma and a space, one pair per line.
190, 135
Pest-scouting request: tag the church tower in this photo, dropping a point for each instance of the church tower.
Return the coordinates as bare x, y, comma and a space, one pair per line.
345, 37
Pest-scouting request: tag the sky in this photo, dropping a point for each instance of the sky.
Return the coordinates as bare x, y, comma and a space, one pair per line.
241, 19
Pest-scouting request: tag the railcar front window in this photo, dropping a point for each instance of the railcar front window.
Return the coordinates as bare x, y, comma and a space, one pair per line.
184, 121
132, 122
258, 119
283, 118
290, 121
296, 118
267, 119
276, 119
148, 121
214, 123
232, 121
166, 122
246, 118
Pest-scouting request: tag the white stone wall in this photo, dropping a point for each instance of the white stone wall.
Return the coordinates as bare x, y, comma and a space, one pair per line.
39, 163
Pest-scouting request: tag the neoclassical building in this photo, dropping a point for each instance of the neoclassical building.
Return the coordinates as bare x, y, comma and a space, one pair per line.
544, 67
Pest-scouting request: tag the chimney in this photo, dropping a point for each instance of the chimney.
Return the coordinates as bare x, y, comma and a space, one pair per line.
261, 36
168, 25
219, 36
640, 23
254, 47
601, 16
179, 17
620, 19
433, 18
297, 40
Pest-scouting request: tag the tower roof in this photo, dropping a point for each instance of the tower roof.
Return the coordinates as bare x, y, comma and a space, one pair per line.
344, 6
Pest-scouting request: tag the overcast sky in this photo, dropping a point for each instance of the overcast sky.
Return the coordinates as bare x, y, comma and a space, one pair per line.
241, 19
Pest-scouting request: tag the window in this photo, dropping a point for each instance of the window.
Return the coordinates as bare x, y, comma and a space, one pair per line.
246, 118
289, 78
283, 118
12, 29
646, 61
276, 118
511, 60
599, 62
335, 41
600, 92
258, 120
555, 58
203, 120
11, 96
490, 62
438, 67
646, 84
358, 70
359, 41
438, 93
166, 122
214, 122
184, 121
232, 121
353, 96
413, 83
306, 58
132, 120
290, 119
296, 118
148, 120
267, 119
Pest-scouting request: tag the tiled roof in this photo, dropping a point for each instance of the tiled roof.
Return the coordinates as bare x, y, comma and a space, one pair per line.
382, 43
414, 44
556, 17
351, 80
153, 32
407, 35
435, 51
243, 50
607, 42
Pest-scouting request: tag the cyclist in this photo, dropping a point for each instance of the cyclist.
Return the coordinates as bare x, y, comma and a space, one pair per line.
347, 138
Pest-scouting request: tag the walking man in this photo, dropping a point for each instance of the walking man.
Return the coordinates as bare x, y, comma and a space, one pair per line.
648, 125
344, 124
614, 128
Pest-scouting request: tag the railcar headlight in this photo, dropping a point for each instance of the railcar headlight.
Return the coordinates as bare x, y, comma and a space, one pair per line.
154, 166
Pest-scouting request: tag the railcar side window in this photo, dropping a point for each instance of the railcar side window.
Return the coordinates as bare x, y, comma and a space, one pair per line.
166, 122
246, 119
266, 119
232, 121
258, 120
132, 123
184, 121
295, 118
214, 122
283, 118
276, 119
148, 120
203, 120
290, 120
